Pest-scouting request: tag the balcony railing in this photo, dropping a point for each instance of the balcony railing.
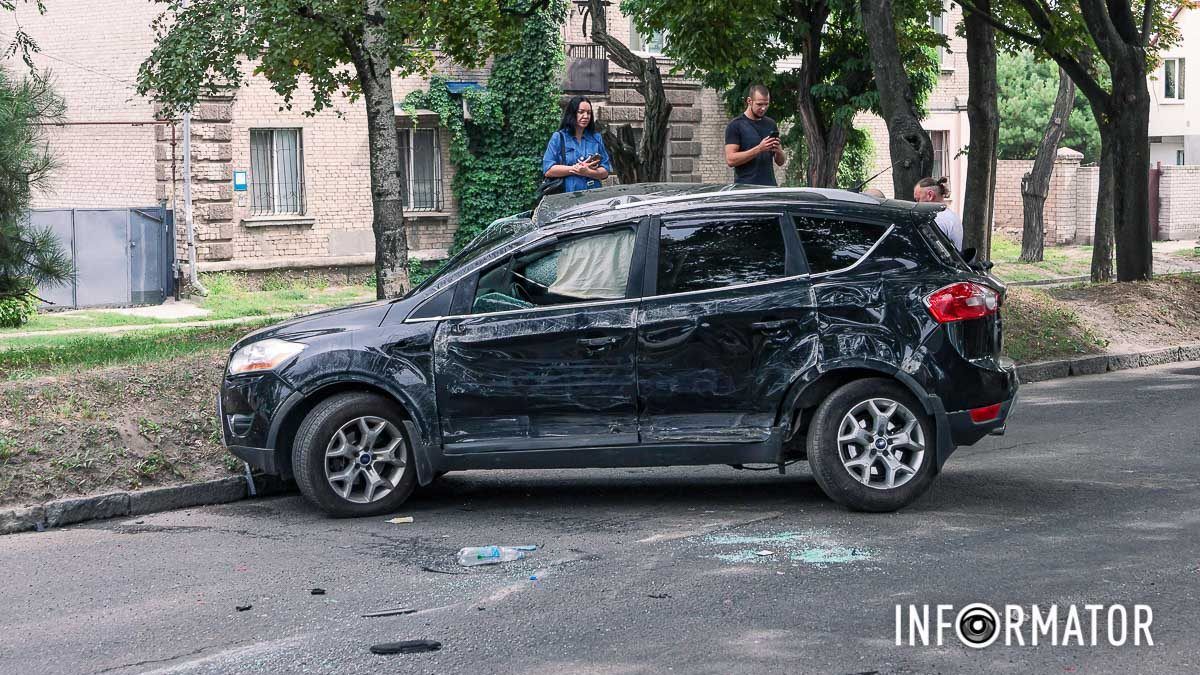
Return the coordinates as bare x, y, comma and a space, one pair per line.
587, 69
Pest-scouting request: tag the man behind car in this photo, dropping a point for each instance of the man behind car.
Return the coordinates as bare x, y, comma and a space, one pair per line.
752, 141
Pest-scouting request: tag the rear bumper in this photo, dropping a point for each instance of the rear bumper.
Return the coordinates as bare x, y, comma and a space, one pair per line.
965, 431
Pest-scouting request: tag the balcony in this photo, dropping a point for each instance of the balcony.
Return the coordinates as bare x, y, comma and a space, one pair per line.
587, 69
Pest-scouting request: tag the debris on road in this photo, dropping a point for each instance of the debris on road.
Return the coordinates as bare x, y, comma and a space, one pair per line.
406, 647
764, 552
389, 612
401, 521
317, 591
491, 555
243, 608
659, 596
437, 571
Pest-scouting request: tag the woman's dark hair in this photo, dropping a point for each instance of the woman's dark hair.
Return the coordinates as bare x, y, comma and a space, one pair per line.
572, 109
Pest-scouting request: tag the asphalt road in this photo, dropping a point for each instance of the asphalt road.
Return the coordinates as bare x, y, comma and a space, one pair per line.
1090, 498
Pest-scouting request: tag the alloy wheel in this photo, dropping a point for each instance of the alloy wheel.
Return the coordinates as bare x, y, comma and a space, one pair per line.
365, 459
881, 443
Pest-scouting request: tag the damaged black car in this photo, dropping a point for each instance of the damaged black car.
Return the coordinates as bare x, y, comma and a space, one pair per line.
644, 325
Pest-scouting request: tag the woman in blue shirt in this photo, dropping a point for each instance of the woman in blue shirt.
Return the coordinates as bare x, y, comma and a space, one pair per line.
573, 145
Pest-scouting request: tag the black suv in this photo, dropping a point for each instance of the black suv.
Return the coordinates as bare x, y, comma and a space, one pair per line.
644, 325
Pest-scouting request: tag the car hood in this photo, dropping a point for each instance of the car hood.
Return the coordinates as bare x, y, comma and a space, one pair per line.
365, 315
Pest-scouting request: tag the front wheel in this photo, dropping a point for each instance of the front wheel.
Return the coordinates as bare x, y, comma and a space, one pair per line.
351, 457
871, 446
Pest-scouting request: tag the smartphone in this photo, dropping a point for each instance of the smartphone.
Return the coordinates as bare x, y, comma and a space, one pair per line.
773, 134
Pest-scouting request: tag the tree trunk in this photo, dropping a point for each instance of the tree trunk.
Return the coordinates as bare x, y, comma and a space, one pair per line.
911, 149
1131, 195
825, 145
649, 157
387, 202
984, 119
1102, 239
1036, 183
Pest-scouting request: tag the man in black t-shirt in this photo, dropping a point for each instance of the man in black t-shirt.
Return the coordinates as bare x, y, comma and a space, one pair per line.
752, 141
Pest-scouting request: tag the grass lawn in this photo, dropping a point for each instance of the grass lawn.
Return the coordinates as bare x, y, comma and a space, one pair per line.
228, 298
1058, 262
1039, 327
32, 356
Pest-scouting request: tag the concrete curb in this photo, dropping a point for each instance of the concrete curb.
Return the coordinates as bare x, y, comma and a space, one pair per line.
1105, 363
139, 502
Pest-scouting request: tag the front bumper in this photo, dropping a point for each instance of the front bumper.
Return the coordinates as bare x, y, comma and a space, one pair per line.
246, 408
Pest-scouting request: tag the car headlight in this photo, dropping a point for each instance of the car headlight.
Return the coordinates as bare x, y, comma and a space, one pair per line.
263, 355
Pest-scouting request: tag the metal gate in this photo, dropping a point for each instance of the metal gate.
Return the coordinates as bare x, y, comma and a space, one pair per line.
121, 256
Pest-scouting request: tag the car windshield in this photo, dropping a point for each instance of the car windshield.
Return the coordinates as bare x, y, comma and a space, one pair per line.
499, 232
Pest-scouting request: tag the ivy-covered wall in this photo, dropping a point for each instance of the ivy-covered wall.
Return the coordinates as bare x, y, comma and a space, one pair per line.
497, 154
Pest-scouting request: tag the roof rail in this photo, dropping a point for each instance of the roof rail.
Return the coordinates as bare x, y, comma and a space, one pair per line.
631, 201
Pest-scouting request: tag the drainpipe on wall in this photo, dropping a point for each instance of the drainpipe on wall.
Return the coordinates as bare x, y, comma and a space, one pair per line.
193, 278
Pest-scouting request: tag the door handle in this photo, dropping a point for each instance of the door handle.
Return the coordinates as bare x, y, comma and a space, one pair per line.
771, 326
598, 343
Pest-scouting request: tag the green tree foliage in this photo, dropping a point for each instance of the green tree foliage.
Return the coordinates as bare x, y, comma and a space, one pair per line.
854, 169
497, 154
29, 256
21, 42
733, 44
1027, 89
348, 48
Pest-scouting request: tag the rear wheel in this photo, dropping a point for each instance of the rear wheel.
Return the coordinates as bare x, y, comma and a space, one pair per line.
351, 457
871, 446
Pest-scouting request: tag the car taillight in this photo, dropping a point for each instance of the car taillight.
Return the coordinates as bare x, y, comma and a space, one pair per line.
961, 301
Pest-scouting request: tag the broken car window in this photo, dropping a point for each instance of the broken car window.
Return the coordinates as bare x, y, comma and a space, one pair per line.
589, 267
831, 244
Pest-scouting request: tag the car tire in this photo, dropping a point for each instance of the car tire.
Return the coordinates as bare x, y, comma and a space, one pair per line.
842, 446
352, 458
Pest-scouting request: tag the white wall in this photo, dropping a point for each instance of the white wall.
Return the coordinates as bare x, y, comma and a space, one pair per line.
1179, 118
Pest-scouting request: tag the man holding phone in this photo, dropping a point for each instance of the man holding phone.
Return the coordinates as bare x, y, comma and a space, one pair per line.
752, 141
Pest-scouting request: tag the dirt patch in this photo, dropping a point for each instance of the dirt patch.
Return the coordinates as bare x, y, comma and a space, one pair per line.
117, 428
1137, 316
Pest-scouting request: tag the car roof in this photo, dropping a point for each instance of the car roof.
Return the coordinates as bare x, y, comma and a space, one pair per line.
640, 199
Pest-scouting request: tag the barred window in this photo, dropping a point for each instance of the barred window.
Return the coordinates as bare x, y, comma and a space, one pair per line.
276, 171
421, 169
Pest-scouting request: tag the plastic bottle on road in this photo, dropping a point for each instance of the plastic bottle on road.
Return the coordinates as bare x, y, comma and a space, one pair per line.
491, 555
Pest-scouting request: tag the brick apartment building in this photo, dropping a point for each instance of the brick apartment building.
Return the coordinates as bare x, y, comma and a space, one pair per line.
307, 200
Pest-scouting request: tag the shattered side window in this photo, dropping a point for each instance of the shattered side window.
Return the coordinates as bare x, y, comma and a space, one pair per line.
499, 232
699, 254
831, 244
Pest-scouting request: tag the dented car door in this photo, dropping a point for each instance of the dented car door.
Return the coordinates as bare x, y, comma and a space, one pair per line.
731, 324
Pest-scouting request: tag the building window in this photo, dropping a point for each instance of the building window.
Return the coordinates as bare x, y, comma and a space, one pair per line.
938, 23
1173, 79
276, 172
646, 44
941, 154
1179, 157
421, 169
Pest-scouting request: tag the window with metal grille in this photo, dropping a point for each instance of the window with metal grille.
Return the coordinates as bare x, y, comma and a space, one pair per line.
941, 153
276, 172
421, 169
